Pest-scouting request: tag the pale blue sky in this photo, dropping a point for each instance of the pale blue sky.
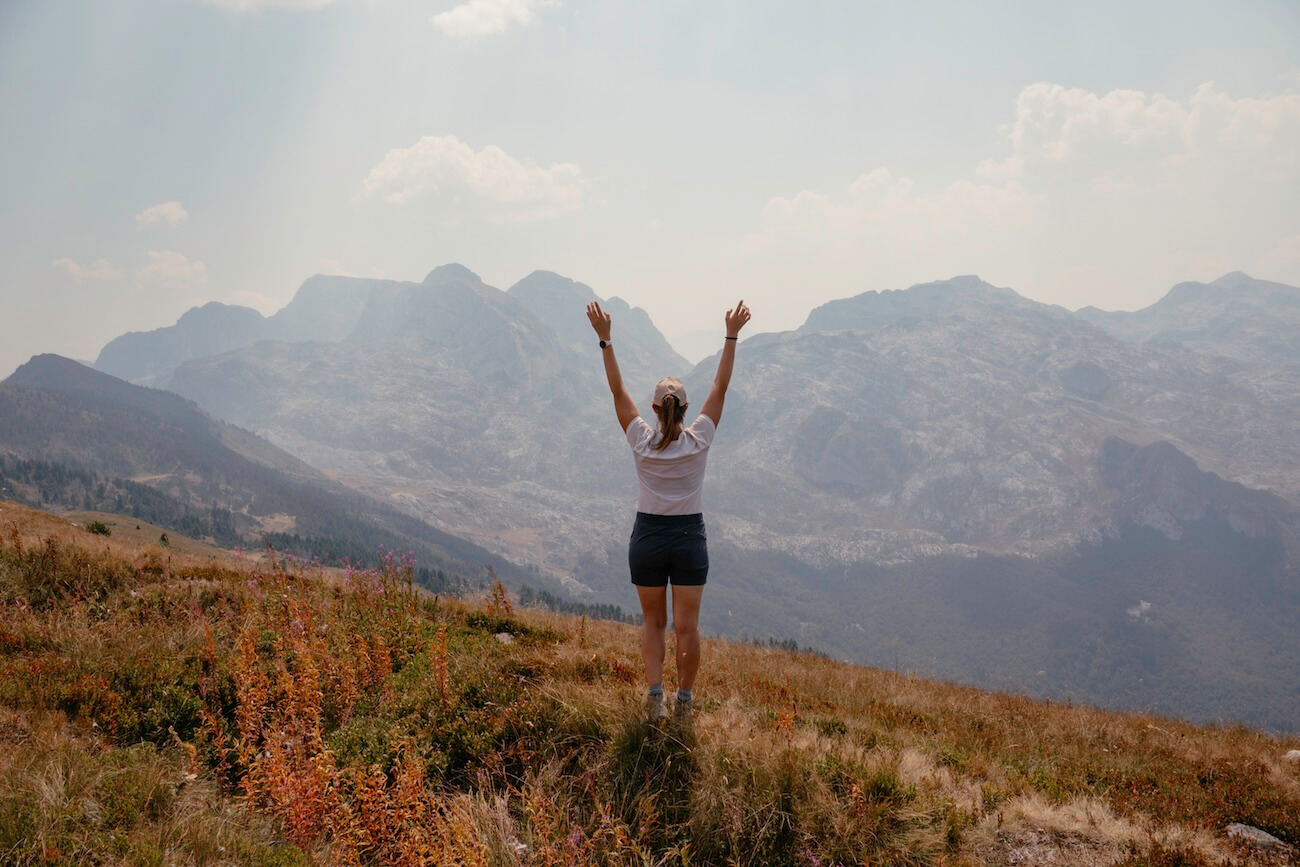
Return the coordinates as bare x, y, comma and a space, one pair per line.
677, 154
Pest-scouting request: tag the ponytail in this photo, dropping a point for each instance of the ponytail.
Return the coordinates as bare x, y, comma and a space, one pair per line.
670, 413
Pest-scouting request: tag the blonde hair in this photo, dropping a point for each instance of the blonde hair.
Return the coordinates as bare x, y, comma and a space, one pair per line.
670, 413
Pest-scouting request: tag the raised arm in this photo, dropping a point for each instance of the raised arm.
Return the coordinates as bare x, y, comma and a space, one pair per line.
624, 405
736, 319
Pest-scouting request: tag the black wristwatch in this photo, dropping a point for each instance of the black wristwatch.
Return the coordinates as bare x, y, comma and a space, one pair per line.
605, 343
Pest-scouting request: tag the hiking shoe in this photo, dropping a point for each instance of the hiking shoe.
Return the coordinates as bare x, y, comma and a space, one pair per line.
656, 710
683, 709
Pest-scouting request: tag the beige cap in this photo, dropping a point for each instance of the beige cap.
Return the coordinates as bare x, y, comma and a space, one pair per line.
670, 385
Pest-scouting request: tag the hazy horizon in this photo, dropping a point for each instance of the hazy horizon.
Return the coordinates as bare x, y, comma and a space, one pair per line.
166, 153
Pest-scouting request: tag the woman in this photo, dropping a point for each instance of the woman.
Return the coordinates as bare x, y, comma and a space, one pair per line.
668, 542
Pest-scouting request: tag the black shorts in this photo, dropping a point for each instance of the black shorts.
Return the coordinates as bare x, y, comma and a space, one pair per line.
668, 548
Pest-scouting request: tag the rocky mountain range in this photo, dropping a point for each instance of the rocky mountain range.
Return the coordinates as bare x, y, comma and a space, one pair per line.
947, 418
455, 399
931, 429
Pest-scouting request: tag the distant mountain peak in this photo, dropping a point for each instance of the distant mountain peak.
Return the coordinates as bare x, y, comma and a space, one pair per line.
967, 281
549, 287
1234, 280
1236, 316
452, 272
145, 356
218, 308
1188, 290
52, 371
878, 309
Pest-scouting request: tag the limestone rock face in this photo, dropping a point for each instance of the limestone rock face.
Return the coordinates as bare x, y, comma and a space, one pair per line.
1162, 487
643, 353
982, 427
324, 308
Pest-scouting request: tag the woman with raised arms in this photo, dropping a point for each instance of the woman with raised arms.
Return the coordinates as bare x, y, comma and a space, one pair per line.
668, 544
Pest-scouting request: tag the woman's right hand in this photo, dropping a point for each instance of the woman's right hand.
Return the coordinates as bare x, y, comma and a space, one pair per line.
736, 319
599, 320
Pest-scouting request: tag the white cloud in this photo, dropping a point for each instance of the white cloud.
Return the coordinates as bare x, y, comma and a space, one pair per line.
1104, 198
170, 214
172, 270
887, 225
254, 5
100, 269
1125, 135
489, 181
478, 18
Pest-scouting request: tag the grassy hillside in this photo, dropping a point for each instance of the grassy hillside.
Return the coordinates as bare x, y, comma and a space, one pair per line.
163, 708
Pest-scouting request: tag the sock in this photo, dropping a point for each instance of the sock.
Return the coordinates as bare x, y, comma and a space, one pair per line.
656, 691
685, 694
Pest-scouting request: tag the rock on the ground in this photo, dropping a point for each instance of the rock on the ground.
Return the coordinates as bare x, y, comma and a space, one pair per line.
1254, 836
1292, 756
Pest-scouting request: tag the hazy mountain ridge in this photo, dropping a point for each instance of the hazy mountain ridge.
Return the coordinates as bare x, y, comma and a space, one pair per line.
980, 426
1235, 316
324, 308
462, 407
148, 356
453, 399
156, 415
878, 309
330, 309
974, 424
57, 412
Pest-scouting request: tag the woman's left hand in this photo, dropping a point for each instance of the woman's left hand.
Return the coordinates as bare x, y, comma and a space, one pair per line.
736, 319
599, 320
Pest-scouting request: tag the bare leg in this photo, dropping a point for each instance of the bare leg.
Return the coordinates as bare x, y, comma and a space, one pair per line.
654, 613
686, 623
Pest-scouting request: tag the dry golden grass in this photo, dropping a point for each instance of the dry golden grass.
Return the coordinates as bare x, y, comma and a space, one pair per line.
70, 797
133, 532
160, 707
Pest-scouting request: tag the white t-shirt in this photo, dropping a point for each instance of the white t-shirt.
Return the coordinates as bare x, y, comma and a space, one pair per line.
672, 480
